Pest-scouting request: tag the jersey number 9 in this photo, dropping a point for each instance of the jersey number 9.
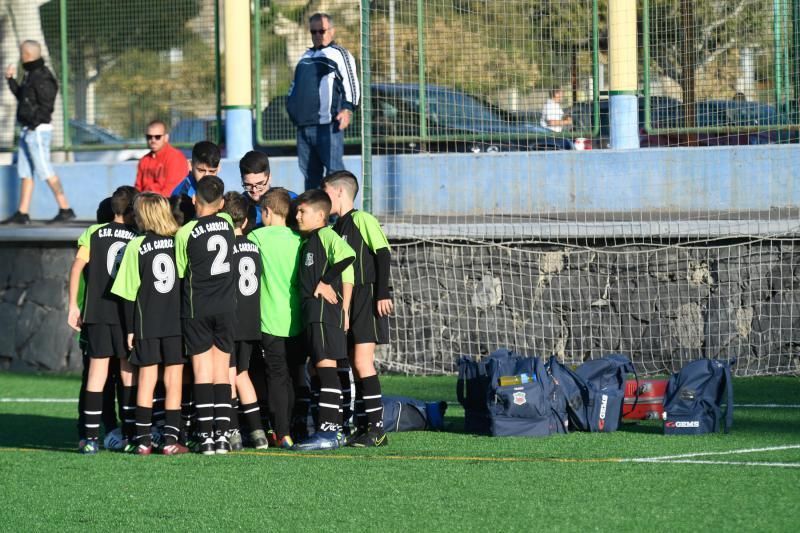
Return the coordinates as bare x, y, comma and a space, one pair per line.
164, 272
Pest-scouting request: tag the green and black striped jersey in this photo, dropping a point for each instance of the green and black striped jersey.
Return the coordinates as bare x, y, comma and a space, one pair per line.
247, 266
105, 244
322, 250
203, 250
363, 233
147, 277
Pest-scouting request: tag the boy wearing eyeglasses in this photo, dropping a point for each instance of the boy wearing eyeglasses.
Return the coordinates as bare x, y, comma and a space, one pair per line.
164, 167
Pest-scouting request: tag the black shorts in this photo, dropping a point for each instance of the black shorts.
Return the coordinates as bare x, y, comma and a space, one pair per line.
105, 340
202, 334
365, 324
291, 349
324, 341
158, 351
243, 351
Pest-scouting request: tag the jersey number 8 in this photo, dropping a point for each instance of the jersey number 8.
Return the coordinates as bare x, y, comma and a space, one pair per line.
164, 272
248, 283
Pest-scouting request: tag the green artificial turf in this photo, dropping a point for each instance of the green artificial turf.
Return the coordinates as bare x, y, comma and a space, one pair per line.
422, 481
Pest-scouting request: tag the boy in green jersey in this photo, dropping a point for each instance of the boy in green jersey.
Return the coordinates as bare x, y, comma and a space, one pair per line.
371, 304
281, 309
326, 282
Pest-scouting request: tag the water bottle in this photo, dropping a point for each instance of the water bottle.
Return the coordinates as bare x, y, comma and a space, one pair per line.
518, 379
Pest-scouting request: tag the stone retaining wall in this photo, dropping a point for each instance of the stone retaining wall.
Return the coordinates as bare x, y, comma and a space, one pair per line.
661, 305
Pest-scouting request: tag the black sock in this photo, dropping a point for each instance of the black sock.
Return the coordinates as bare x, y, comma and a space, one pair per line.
172, 426
359, 414
235, 410
343, 369
92, 413
159, 397
204, 407
313, 406
329, 400
128, 412
252, 416
144, 417
187, 409
222, 408
109, 394
373, 402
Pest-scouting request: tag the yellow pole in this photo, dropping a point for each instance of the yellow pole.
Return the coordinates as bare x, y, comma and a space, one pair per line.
623, 78
238, 79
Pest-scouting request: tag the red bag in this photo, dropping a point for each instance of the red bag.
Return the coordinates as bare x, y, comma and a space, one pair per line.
650, 405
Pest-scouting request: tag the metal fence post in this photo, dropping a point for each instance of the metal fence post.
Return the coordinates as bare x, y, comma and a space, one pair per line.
62, 11
366, 109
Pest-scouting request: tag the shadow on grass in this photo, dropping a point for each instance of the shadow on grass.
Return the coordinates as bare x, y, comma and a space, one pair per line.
38, 432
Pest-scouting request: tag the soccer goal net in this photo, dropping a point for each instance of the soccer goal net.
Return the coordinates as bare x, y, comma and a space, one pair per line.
486, 133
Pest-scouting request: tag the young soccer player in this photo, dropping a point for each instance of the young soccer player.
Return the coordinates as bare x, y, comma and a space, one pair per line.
246, 264
203, 255
205, 162
326, 283
147, 279
99, 251
371, 304
281, 309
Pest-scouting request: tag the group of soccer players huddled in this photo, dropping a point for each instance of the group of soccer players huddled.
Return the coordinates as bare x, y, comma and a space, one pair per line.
208, 322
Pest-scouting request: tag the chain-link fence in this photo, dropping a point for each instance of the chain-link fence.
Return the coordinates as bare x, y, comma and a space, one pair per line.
119, 66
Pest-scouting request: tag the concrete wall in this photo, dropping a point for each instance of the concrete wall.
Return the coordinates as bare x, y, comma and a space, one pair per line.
684, 179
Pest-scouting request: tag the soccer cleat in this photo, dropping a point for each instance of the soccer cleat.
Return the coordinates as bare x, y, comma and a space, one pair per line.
88, 447
259, 439
286, 443
17, 218
207, 447
321, 440
64, 215
235, 440
272, 438
130, 447
174, 449
143, 449
222, 445
371, 438
115, 441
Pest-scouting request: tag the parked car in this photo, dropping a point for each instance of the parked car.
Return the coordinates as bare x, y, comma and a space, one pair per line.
456, 122
669, 113
83, 133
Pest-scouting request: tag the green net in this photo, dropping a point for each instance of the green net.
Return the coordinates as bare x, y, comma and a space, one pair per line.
123, 64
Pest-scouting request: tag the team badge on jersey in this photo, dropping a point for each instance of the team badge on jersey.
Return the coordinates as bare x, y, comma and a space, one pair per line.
309, 259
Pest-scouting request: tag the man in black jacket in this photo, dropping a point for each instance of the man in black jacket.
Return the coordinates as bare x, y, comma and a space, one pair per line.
36, 96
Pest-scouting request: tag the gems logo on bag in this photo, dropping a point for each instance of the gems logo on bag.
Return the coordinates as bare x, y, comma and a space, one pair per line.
603, 406
683, 424
520, 398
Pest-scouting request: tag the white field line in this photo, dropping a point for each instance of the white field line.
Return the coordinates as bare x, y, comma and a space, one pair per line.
767, 405
732, 463
38, 400
667, 458
736, 405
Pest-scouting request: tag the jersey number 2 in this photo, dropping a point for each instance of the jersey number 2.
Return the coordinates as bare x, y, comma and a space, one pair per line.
219, 265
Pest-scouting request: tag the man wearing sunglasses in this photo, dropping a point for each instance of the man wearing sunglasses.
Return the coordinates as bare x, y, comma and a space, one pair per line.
164, 167
322, 98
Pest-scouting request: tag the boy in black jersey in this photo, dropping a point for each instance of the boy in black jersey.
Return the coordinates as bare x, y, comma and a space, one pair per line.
99, 252
326, 282
203, 254
147, 280
371, 304
246, 263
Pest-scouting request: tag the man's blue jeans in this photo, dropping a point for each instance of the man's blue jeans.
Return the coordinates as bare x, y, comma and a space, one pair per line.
319, 151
